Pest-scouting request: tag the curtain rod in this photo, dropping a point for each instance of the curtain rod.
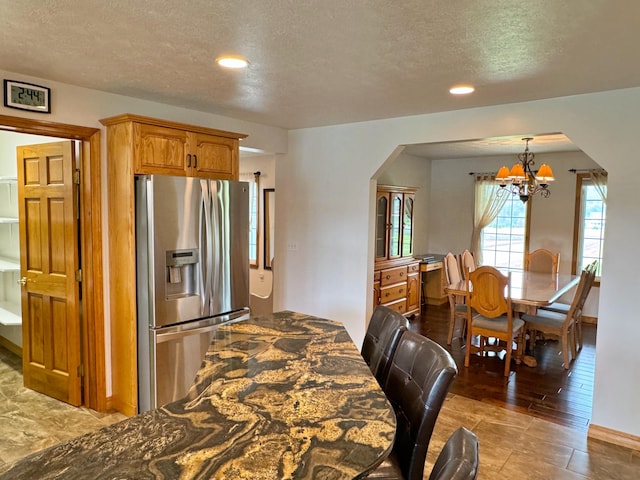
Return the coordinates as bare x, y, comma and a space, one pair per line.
583, 170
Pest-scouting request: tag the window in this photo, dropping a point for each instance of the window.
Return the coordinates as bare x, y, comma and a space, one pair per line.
254, 187
503, 241
590, 219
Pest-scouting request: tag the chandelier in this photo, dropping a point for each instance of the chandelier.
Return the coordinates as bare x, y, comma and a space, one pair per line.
524, 181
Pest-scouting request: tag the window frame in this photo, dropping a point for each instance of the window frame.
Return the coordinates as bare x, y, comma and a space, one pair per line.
254, 206
527, 228
577, 223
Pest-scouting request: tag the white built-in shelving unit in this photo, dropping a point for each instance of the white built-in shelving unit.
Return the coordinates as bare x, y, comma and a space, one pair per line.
10, 313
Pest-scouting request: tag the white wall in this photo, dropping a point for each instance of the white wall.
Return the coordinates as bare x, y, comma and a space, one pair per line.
326, 199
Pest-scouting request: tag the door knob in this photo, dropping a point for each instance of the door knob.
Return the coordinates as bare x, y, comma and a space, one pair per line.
23, 281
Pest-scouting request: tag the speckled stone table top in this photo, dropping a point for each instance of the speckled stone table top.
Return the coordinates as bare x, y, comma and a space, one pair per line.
285, 396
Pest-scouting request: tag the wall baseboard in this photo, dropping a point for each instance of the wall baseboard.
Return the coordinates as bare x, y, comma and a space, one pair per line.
12, 347
614, 436
590, 320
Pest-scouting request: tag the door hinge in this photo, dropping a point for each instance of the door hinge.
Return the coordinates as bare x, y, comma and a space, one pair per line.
79, 275
81, 370
76, 177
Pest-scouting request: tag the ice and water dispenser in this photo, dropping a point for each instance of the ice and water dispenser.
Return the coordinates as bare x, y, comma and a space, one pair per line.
182, 267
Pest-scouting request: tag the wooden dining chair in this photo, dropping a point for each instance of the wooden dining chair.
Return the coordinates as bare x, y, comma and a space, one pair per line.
457, 307
563, 308
467, 261
562, 325
419, 378
542, 260
486, 288
381, 339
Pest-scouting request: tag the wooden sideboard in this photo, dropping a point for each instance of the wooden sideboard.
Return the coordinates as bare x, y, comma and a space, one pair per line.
397, 285
137, 144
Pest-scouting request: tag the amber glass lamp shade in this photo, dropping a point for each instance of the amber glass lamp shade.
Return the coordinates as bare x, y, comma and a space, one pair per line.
517, 172
502, 176
545, 175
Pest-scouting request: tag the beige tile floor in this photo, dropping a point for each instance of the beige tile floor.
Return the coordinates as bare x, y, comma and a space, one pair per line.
517, 446
30, 421
512, 445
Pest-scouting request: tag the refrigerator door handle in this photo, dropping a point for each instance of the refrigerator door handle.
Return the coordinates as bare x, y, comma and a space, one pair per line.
205, 248
169, 336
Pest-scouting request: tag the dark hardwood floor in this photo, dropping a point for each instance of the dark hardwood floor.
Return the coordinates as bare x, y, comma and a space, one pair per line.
547, 391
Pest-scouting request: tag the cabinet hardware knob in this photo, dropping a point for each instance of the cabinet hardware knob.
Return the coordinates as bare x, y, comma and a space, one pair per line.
188, 160
388, 277
195, 161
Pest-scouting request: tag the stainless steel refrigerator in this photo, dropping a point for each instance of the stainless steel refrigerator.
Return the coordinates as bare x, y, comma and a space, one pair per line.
192, 263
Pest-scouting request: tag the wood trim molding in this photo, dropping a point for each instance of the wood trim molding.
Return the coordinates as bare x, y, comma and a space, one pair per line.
614, 436
129, 117
9, 345
92, 316
590, 320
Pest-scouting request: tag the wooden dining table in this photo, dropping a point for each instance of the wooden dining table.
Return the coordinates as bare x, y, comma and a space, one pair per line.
280, 396
529, 290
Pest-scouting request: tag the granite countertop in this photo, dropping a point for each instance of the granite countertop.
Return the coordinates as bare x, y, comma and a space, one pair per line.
277, 397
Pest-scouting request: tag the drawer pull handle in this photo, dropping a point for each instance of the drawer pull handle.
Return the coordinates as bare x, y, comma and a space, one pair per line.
388, 277
401, 274
400, 291
195, 161
188, 160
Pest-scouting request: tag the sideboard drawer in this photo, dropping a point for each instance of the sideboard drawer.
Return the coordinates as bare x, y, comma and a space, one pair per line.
393, 275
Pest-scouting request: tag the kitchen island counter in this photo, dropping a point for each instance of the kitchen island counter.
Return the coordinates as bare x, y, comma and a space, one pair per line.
281, 396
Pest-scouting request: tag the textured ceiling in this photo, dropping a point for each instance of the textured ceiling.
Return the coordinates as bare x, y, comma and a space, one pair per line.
325, 62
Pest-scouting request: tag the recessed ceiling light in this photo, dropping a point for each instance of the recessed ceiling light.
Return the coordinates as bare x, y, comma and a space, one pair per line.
461, 89
232, 62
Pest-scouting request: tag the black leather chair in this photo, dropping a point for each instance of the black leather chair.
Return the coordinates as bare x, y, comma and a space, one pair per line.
380, 341
420, 374
458, 459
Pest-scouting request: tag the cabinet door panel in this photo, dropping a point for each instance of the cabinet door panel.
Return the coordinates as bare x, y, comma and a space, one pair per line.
382, 232
160, 150
407, 226
395, 226
413, 292
215, 157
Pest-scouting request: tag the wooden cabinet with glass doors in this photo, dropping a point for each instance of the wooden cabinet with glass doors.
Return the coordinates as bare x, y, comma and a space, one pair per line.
396, 278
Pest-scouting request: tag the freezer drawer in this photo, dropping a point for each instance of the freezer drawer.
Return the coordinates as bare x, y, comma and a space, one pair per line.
175, 356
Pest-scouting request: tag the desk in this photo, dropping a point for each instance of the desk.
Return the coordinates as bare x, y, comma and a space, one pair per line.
530, 290
284, 396
433, 280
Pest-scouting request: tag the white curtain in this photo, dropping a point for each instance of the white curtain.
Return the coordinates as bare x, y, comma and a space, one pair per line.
599, 180
488, 204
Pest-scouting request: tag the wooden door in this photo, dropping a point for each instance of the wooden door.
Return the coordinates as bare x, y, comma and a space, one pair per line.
47, 206
213, 157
